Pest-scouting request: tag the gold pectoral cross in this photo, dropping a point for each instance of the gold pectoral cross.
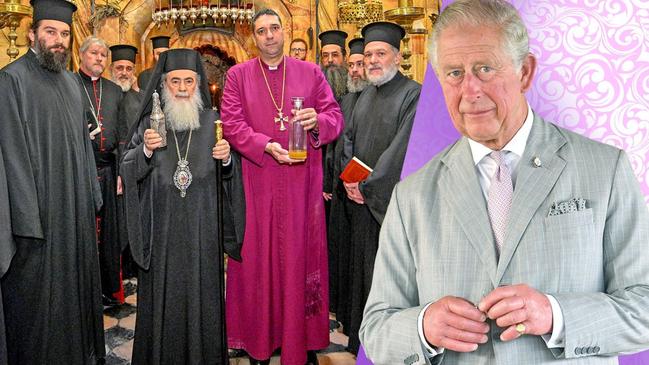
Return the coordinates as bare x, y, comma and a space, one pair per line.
281, 118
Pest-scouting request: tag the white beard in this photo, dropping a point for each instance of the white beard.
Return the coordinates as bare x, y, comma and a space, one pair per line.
388, 74
124, 85
182, 115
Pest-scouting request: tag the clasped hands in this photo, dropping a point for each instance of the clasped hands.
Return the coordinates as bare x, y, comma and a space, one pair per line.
220, 151
458, 325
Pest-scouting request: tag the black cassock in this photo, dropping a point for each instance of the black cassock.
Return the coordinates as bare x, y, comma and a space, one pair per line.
7, 250
337, 224
128, 110
381, 123
128, 115
51, 293
105, 146
174, 241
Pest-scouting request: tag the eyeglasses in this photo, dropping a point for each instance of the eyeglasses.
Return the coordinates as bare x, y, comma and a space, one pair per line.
301, 50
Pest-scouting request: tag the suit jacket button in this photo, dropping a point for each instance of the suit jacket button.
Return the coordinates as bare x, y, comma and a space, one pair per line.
590, 350
577, 350
596, 349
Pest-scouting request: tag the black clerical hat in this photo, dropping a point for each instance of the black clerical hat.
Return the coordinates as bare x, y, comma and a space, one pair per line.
181, 59
161, 41
385, 32
60, 10
120, 52
336, 37
356, 46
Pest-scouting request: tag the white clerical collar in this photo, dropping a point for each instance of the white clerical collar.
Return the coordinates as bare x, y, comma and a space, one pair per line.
516, 145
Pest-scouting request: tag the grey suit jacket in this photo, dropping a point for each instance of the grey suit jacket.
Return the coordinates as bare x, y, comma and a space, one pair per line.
436, 240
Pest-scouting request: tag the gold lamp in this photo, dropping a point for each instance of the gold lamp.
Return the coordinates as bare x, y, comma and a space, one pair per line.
11, 13
360, 12
404, 15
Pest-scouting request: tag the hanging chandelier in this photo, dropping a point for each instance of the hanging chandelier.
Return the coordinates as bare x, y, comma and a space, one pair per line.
202, 11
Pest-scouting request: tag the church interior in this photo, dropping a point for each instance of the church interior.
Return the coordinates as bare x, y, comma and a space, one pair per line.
220, 30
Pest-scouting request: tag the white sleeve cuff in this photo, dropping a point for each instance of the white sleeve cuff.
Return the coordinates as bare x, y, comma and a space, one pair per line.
432, 350
227, 162
147, 152
556, 340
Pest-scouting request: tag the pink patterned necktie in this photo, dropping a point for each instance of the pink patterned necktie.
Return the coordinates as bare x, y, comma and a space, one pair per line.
499, 198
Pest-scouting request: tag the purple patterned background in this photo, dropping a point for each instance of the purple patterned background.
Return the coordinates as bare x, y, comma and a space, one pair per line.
592, 77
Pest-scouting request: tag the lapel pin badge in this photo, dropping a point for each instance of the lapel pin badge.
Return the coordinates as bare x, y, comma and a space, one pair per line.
536, 161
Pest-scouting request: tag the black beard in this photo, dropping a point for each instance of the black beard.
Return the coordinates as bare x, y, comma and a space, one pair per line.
51, 61
337, 78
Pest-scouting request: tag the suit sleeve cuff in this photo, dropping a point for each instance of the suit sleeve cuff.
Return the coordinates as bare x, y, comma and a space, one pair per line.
431, 350
556, 339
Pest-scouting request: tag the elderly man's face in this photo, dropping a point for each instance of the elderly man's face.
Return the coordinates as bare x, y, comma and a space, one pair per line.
123, 70
484, 91
355, 66
94, 59
379, 59
181, 84
331, 54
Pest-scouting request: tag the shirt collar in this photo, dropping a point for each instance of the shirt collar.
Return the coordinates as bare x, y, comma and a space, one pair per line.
92, 78
515, 145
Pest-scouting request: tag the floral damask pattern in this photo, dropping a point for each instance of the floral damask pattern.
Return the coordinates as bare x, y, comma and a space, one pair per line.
593, 71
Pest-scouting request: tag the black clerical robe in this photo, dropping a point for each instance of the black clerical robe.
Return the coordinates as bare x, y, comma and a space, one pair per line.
174, 240
128, 110
337, 223
144, 77
7, 250
102, 98
381, 123
51, 292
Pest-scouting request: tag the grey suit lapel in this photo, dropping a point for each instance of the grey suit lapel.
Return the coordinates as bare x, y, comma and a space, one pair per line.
460, 187
533, 185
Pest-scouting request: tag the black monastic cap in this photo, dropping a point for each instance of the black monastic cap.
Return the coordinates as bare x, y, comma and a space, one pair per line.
337, 37
356, 46
385, 32
120, 52
182, 59
60, 10
161, 41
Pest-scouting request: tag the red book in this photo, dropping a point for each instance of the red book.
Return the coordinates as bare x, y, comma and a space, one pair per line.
355, 171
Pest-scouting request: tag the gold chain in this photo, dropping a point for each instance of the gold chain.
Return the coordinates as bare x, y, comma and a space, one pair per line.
279, 109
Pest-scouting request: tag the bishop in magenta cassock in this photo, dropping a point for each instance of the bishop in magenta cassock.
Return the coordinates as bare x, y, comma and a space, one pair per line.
277, 296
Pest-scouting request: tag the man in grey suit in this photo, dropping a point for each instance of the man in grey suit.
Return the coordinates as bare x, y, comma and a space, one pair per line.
522, 243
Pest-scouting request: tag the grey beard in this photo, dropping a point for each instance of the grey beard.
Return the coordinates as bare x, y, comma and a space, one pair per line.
51, 61
354, 86
337, 78
124, 85
388, 75
182, 115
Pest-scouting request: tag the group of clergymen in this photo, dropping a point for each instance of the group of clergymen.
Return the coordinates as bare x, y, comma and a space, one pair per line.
521, 243
95, 193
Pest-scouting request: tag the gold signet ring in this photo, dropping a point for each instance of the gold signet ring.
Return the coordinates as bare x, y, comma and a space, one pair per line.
520, 328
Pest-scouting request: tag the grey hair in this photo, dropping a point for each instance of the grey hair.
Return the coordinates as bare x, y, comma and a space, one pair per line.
163, 81
90, 41
494, 13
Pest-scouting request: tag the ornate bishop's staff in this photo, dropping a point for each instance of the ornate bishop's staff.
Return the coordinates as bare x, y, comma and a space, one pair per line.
218, 129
